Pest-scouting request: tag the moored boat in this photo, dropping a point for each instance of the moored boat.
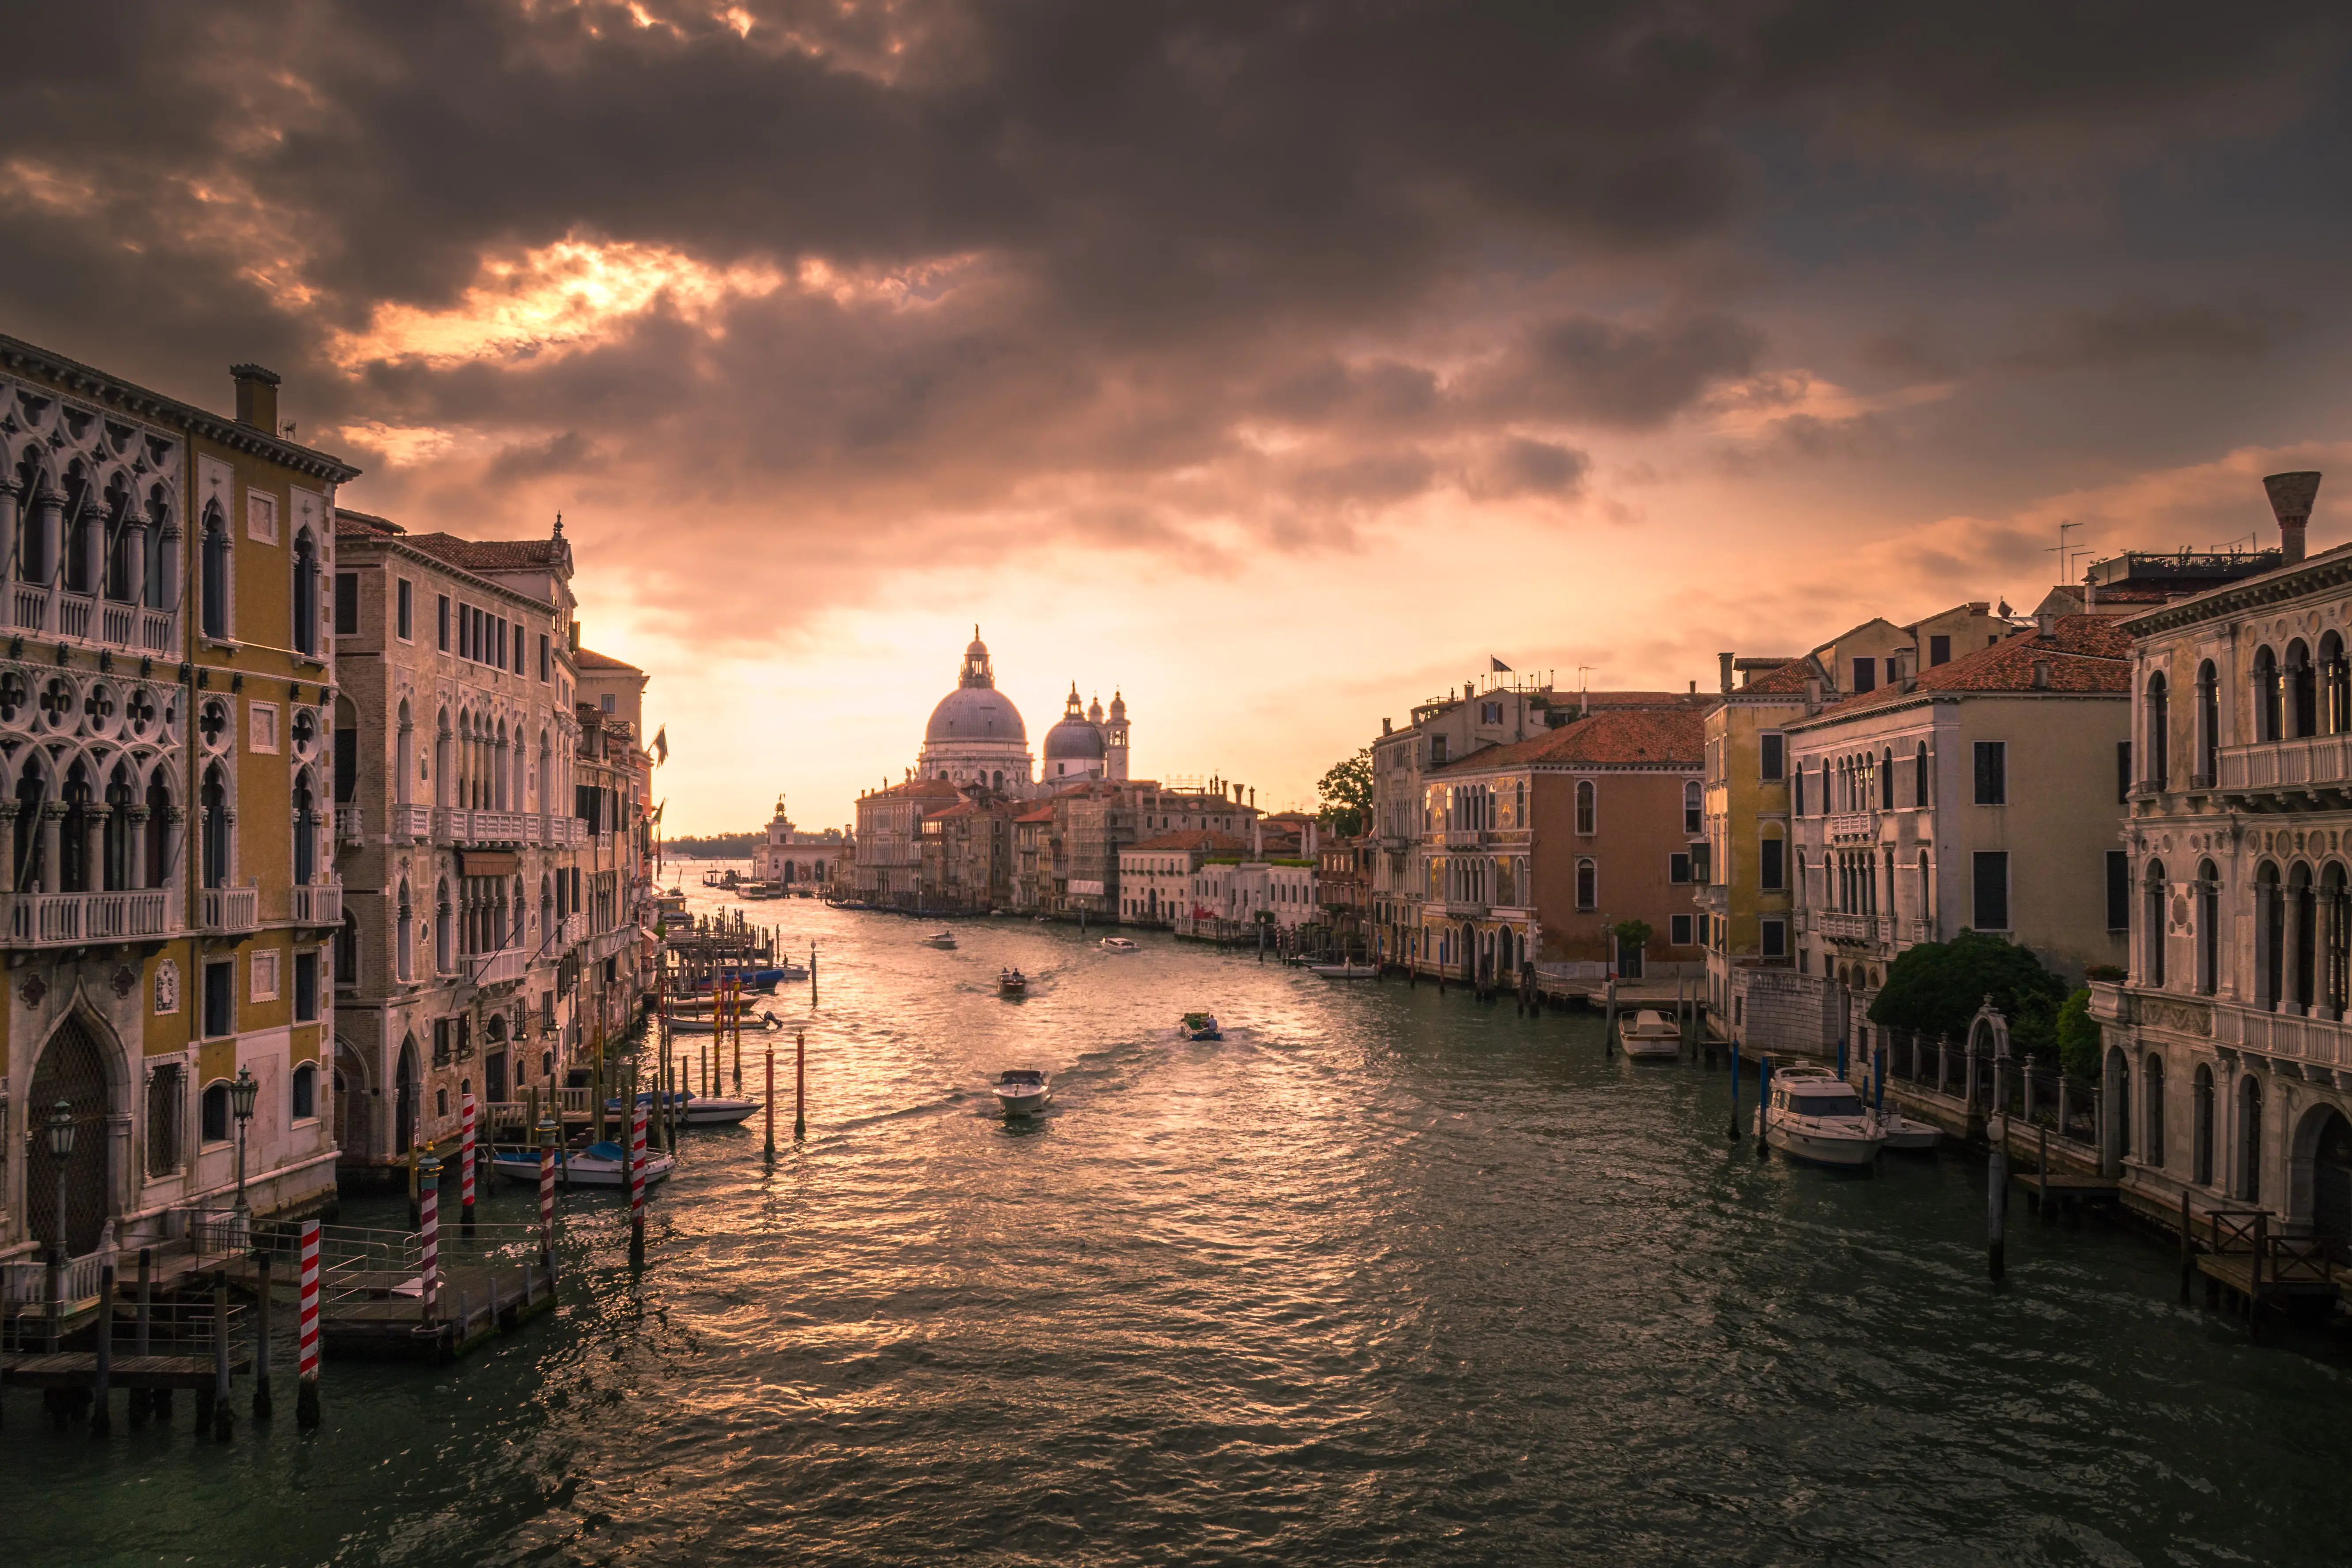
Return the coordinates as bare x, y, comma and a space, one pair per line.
1650, 1036
602, 1164
719, 1109
1810, 1114
1199, 1027
1023, 1091
708, 1023
1906, 1135
1345, 970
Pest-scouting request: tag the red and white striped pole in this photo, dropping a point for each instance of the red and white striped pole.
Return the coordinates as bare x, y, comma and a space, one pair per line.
429, 1177
637, 1181
306, 1356
547, 1193
466, 1168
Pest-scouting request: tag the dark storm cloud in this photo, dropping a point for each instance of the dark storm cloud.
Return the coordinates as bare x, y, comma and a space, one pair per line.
1123, 235
2135, 331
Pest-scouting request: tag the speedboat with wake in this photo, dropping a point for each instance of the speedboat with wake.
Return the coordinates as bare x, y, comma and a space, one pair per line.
1199, 1027
1117, 944
1011, 983
1023, 1091
1650, 1036
1813, 1114
602, 1164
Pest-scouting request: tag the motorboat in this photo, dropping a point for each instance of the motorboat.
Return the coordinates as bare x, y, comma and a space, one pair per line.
1117, 944
1011, 983
1907, 1135
1023, 1090
759, 981
1811, 1114
1199, 1027
602, 1164
1345, 970
718, 1110
709, 1023
939, 939
1650, 1036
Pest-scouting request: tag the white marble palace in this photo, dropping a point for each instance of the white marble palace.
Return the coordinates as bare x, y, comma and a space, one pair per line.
976, 737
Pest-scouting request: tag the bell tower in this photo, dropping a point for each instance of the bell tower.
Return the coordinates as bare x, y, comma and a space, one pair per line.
1114, 739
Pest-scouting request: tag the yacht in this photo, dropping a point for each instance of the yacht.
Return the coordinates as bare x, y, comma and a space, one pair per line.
1813, 1114
1907, 1136
1650, 1036
1117, 944
1023, 1090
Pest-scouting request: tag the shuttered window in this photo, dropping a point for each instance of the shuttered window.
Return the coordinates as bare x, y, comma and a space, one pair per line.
1992, 905
1992, 773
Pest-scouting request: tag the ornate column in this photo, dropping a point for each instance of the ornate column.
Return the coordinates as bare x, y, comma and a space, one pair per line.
137, 816
9, 500
93, 846
53, 816
9, 811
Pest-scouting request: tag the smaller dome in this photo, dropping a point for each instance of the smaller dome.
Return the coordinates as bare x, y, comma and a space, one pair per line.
1074, 740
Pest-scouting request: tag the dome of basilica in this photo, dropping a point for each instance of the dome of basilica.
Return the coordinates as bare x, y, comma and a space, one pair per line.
1075, 739
975, 713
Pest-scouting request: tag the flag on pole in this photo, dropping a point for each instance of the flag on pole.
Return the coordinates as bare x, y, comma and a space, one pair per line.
1496, 667
661, 745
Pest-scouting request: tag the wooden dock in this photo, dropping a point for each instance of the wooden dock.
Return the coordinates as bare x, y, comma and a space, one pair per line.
382, 1316
78, 1369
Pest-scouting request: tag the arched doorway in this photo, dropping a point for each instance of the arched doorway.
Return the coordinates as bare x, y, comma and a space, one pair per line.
355, 1102
404, 1091
73, 1067
2331, 1181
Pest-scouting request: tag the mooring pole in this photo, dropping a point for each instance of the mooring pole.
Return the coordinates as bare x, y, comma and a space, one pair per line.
547, 1197
262, 1407
428, 1245
141, 1399
800, 1084
770, 1103
1734, 1092
636, 1182
2187, 1247
101, 1416
305, 1353
415, 1153
223, 1423
1996, 1210
466, 1162
1763, 1099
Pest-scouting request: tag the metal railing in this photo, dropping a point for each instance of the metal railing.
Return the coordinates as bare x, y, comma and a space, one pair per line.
497, 968
40, 919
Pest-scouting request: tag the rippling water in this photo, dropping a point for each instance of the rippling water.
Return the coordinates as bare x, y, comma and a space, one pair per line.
1383, 1278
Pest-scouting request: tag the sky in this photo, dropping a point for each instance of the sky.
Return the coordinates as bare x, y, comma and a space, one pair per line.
1277, 365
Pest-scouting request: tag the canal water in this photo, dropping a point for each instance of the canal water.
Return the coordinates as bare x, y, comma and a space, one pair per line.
1384, 1276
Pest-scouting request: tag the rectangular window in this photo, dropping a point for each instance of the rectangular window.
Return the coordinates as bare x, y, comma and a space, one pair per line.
542, 659
1939, 651
305, 987
1678, 868
1992, 886
605, 702
1678, 929
2123, 772
1775, 757
347, 604
404, 621
1992, 774
1866, 676
499, 646
264, 965
1774, 935
220, 998
1796, 792
522, 644
166, 1091
445, 623
1702, 862
2118, 890
1771, 869
1438, 751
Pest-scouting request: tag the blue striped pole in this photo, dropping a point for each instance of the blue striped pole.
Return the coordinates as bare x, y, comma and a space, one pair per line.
1734, 1092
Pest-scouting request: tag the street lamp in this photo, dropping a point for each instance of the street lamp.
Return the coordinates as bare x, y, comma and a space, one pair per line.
61, 1142
241, 1095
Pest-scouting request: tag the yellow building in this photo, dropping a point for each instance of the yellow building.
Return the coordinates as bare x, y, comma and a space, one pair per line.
166, 701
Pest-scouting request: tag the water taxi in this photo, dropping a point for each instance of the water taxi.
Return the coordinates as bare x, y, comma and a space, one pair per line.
1117, 944
1199, 1027
1650, 1036
1023, 1090
1813, 1114
1011, 983
939, 939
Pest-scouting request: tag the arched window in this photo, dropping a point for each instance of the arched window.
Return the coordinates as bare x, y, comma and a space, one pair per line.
2302, 690
214, 1117
126, 537
2334, 686
162, 861
2158, 716
306, 593
2151, 1147
160, 565
215, 567
1886, 780
121, 866
306, 1091
2336, 938
2304, 904
2270, 936
2269, 704
1926, 893
306, 830
1588, 885
1587, 816
444, 931
2152, 924
2209, 928
1919, 776
1693, 808
2249, 1139
2201, 1127
1519, 804
2209, 724
404, 935
217, 821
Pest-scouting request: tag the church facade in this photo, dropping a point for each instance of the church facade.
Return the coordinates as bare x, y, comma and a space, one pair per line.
976, 738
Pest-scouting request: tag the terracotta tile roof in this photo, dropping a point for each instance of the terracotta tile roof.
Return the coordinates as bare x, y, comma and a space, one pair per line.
1788, 679
349, 524
491, 554
2085, 654
921, 789
1661, 738
1203, 839
588, 658
1043, 814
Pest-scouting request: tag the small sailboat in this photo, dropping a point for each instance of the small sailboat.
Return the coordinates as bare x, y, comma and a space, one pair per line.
1117, 944
604, 1164
1011, 983
1023, 1091
1199, 1027
1650, 1036
1345, 970
939, 939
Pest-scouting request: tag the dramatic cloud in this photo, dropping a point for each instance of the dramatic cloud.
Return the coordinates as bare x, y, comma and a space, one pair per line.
805, 310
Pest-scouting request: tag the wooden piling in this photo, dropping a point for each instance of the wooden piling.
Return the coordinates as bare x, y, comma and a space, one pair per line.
305, 1353
139, 1397
1734, 1092
800, 1084
262, 1407
1996, 1212
2188, 1246
101, 1417
769, 1104
223, 1423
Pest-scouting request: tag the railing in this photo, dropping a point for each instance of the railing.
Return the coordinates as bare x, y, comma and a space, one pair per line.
316, 904
1853, 825
497, 968
74, 615
2275, 1034
2317, 760
575, 929
411, 823
232, 909
40, 919
1919, 930
498, 827
32, 608
1835, 924
159, 630
59, 611
348, 824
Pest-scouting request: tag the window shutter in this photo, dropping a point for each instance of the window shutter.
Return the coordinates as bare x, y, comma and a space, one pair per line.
1991, 912
2118, 890
347, 604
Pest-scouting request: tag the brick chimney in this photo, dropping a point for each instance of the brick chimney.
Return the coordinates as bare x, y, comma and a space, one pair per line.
256, 396
1724, 661
2290, 498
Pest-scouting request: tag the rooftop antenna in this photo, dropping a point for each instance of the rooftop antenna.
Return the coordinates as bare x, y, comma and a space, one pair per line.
1583, 686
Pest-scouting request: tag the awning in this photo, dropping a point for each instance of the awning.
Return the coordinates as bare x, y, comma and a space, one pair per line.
487, 862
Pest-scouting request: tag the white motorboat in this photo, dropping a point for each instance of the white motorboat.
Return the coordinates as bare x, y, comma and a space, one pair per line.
1117, 944
1345, 970
602, 1164
707, 1024
1650, 1036
939, 939
1811, 1114
1907, 1136
717, 1111
1023, 1090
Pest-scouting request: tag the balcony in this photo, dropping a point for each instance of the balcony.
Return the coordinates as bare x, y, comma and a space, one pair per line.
1465, 910
347, 829
2289, 767
575, 930
499, 968
77, 617
1841, 927
411, 823
318, 904
232, 909
1854, 824
63, 919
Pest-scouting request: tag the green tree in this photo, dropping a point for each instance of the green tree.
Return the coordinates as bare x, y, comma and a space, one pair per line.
1346, 792
2078, 1037
1936, 987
